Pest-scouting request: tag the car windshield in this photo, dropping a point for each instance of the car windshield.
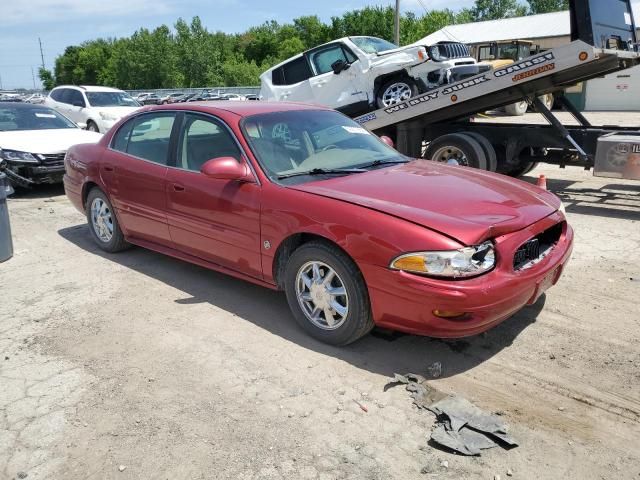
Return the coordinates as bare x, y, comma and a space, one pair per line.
295, 145
373, 44
111, 99
40, 118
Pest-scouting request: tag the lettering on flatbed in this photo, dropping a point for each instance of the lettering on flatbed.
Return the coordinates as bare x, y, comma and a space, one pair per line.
517, 67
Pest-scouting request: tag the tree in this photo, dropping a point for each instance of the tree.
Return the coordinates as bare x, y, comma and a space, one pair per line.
545, 6
46, 77
496, 9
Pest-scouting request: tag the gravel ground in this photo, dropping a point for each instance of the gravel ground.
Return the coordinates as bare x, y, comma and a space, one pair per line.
139, 366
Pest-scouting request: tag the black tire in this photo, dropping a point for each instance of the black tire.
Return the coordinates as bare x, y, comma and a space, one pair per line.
358, 321
523, 169
489, 151
445, 146
92, 126
117, 242
517, 109
407, 82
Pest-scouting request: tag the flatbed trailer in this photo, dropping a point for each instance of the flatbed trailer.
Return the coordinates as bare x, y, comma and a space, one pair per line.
438, 124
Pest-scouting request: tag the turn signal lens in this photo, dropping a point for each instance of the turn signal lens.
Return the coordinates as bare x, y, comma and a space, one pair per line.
414, 263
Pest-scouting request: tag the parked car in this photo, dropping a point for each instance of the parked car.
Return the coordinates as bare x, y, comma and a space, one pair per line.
232, 97
170, 98
140, 97
303, 199
184, 98
33, 143
355, 74
35, 98
251, 96
97, 108
151, 99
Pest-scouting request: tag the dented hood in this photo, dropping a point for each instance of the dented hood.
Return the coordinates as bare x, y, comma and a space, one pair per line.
466, 204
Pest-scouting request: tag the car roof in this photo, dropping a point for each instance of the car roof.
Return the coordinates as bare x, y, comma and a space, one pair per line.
23, 105
242, 109
90, 88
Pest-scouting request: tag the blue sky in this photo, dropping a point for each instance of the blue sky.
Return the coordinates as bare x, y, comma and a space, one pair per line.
60, 23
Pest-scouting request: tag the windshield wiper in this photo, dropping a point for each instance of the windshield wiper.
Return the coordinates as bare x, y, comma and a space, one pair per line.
321, 171
375, 163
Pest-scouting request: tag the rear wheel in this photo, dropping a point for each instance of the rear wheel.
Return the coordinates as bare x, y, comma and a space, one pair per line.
103, 223
396, 91
457, 149
489, 151
327, 294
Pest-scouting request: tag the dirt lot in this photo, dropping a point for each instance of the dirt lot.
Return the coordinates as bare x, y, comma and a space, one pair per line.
138, 366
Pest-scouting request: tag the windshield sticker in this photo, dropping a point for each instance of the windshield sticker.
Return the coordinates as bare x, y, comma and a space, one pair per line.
516, 67
534, 72
359, 130
45, 115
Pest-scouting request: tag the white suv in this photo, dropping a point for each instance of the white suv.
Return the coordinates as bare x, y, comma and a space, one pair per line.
97, 108
354, 74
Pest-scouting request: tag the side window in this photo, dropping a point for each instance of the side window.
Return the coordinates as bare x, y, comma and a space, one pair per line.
277, 76
121, 138
56, 94
149, 137
296, 71
323, 59
203, 139
74, 97
64, 95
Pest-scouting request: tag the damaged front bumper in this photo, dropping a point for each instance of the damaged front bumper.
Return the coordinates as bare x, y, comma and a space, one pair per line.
27, 175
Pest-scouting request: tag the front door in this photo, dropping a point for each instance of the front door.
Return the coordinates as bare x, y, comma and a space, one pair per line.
336, 90
136, 167
216, 220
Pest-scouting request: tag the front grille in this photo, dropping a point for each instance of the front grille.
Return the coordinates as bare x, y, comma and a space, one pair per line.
535, 249
453, 50
52, 159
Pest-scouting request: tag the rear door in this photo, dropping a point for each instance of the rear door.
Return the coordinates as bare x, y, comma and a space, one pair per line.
135, 172
216, 220
75, 105
291, 81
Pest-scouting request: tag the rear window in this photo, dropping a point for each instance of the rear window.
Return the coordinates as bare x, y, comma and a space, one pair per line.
295, 71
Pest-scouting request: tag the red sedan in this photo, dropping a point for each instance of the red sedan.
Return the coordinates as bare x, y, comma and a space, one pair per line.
303, 199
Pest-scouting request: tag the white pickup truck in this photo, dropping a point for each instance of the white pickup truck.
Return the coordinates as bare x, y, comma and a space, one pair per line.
356, 74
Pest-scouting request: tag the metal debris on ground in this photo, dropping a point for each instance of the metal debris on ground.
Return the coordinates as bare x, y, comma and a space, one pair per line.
435, 369
461, 426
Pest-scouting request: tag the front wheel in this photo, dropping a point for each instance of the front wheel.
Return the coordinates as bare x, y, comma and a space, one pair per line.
327, 294
92, 127
103, 223
396, 91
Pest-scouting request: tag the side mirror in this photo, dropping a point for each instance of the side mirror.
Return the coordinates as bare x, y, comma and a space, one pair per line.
338, 66
387, 140
227, 168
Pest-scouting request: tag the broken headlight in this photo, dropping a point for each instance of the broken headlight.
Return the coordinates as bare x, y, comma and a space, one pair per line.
16, 156
464, 262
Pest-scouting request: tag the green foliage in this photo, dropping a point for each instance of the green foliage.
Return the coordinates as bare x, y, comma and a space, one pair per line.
495, 9
189, 55
46, 77
545, 6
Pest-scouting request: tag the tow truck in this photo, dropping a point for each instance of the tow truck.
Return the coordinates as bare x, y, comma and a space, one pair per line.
439, 125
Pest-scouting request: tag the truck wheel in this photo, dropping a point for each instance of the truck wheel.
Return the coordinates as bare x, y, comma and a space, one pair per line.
395, 91
523, 169
489, 151
457, 149
517, 109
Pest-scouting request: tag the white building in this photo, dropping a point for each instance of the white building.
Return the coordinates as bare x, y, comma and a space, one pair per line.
619, 91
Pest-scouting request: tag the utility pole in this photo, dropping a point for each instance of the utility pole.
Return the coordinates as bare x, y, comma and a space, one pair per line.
41, 54
0, 82
396, 26
33, 75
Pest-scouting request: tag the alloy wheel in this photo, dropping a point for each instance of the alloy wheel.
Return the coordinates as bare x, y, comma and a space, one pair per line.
322, 295
101, 220
396, 93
